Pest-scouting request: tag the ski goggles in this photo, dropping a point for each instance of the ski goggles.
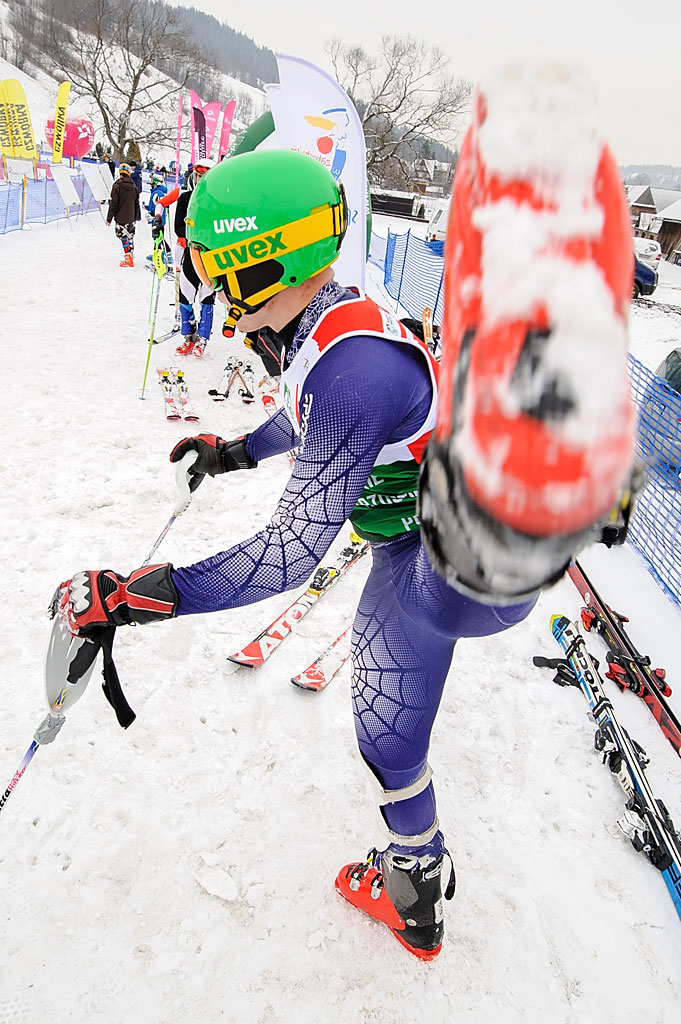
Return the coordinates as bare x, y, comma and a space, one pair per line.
250, 272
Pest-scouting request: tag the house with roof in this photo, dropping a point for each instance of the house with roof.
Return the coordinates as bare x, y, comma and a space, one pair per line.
656, 213
431, 177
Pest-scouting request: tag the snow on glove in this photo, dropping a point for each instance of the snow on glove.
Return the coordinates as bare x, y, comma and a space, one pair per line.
157, 226
99, 598
215, 456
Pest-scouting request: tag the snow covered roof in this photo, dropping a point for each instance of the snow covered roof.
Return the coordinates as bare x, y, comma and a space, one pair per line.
634, 192
664, 197
673, 212
431, 166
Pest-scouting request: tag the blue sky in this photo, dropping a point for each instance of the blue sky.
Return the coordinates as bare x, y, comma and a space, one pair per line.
624, 45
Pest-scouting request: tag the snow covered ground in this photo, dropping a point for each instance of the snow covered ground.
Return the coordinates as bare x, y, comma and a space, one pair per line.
182, 871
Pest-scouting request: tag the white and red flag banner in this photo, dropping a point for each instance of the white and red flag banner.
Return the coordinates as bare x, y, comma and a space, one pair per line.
227, 119
314, 115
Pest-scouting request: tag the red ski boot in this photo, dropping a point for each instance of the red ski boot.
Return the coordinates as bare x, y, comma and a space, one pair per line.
534, 437
403, 891
127, 260
187, 345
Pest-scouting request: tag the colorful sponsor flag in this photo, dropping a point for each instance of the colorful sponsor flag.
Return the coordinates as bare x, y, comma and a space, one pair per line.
198, 125
179, 139
204, 125
19, 120
211, 112
59, 130
227, 119
314, 115
6, 140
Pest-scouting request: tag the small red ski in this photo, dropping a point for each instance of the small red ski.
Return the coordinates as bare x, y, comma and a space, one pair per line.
169, 394
319, 674
186, 407
265, 643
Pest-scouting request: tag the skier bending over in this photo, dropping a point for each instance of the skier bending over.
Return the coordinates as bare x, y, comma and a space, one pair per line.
194, 337
124, 209
511, 487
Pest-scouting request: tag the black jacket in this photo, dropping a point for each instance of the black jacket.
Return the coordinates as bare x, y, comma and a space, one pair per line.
181, 212
124, 205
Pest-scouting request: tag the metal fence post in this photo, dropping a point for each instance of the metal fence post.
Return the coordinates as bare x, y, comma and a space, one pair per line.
439, 289
399, 289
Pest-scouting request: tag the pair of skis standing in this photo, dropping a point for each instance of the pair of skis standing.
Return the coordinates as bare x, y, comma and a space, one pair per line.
646, 821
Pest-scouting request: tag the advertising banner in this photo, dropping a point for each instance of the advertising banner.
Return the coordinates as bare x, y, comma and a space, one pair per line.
79, 137
19, 120
59, 132
6, 141
314, 115
227, 120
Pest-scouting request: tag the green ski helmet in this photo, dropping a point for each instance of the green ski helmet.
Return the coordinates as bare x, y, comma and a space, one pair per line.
262, 222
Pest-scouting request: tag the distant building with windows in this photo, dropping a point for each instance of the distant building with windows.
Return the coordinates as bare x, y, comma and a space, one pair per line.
656, 213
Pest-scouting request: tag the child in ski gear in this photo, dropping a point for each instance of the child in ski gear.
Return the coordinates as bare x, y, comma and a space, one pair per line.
158, 189
194, 336
360, 394
136, 175
124, 209
110, 164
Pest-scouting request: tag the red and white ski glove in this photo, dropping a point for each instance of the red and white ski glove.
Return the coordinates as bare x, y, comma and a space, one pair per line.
98, 598
214, 456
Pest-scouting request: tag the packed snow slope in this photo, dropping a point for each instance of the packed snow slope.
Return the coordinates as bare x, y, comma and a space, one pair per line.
182, 871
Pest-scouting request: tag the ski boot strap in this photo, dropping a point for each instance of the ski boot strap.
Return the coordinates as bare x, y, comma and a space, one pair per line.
393, 796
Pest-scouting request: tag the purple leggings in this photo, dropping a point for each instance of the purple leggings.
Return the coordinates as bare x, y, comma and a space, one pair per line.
405, 629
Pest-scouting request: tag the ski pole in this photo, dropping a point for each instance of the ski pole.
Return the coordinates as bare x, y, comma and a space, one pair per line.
160, 271
182, 480
70, 659
45, 733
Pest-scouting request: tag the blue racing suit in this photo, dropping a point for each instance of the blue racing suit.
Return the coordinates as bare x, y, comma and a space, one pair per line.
367, 392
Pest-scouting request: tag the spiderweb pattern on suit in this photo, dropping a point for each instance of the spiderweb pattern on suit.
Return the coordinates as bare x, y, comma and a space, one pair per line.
399, 664
352, 417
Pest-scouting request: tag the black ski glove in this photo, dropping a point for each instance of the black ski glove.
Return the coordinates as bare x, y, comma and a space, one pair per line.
157, 226
215, 456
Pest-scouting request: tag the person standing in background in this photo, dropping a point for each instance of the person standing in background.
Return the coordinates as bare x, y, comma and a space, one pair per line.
136, 175
124, 210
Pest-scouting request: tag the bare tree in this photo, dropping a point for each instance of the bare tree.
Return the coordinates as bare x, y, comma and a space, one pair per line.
19, 41
131, 57
404, 93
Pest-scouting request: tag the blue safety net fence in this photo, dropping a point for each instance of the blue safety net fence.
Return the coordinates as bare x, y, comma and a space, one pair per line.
412, 271
39, 202
656, 525
412, 276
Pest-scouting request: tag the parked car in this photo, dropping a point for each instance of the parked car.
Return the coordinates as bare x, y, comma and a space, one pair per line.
437, 225
648, 250
659, 425
645, 279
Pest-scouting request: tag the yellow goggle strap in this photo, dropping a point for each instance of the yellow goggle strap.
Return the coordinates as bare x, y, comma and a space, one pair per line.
326, 223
